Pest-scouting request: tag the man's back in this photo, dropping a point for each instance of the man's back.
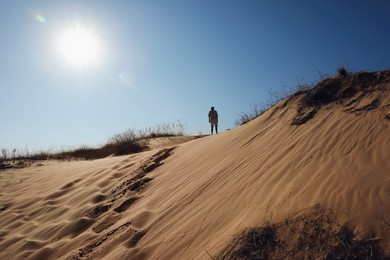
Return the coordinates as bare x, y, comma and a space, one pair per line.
213, 116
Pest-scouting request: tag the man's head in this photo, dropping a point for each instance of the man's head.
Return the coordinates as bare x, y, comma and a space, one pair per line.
212, 108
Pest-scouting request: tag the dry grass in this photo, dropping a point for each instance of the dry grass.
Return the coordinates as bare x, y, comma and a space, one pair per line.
315, 234
256, 110
128, 142
345, 89
337, 89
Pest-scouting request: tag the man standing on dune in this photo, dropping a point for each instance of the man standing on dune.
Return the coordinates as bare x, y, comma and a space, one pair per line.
213, 120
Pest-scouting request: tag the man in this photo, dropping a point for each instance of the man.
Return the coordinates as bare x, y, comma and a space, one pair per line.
213, 120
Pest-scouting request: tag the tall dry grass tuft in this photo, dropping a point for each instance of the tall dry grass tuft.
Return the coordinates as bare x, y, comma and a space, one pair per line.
245, 117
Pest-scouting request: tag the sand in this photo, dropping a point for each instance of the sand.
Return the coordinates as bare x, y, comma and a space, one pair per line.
189, 200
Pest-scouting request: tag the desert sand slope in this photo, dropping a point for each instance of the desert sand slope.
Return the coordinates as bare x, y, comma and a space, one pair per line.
188, 201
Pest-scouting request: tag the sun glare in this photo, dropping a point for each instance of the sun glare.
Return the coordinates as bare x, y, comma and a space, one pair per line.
79, 47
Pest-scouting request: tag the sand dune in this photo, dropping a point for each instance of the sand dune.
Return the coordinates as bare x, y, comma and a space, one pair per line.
189, 200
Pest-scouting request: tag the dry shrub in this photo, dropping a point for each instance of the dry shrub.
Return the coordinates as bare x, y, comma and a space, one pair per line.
342, 71
315, 234
325, 92
346, 89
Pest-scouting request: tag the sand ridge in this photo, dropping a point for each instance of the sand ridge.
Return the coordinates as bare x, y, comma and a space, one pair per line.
189, 200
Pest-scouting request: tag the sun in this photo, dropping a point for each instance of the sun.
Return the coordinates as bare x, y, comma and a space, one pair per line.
79, 47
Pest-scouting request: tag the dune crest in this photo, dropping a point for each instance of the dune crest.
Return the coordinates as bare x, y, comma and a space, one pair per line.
327, 147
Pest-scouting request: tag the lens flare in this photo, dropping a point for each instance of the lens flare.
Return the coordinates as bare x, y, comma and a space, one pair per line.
40, 18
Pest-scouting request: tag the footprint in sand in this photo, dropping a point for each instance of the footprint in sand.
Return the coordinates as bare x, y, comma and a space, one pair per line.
4, 207
32, 245
126, 166
77, 227
56, 195
133, 241
98, 198
126, 204
103, 183
117, 175
70, 184
142, 219
106, 222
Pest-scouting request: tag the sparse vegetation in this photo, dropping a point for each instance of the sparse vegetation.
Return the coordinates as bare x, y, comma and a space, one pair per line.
316, 234
336, 90
256, 110
130, 141
302, 88
323, 93
274, 97
342, 71
343, 90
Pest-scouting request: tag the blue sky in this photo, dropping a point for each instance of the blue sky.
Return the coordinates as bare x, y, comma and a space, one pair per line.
163, 61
